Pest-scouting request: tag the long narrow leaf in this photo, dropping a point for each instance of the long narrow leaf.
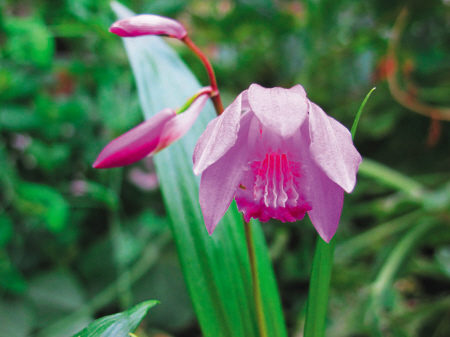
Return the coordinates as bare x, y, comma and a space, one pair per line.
216, 268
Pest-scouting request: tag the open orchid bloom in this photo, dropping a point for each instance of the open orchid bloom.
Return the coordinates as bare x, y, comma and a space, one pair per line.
153, 135
148, 24
280, 156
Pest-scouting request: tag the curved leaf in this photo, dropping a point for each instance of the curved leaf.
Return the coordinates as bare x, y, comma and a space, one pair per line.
118, 325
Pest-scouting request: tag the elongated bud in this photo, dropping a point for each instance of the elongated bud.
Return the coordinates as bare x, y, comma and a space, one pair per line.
148, 24
153, 135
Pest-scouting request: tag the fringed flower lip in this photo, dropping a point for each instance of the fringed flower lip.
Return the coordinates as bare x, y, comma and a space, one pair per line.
152, 135
280, 156
148, 24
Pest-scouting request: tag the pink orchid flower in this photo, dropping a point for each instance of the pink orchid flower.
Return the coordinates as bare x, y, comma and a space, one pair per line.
148, 24
152, 135
280, 156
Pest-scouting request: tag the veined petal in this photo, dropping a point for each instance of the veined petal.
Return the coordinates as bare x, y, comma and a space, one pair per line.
135, 144
327, 199
220, 135
281, 110
220, 180
332, 148
325, 196
178, 126
148, 24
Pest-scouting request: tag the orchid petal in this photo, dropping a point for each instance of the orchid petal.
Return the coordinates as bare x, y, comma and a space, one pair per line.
148, 24
332, 148
220, 180
327, 199
220, 135
135, 144
281, 110
325, 196
178, 126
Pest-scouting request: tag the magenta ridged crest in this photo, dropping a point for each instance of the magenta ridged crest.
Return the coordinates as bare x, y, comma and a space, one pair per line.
148, 24
280, 156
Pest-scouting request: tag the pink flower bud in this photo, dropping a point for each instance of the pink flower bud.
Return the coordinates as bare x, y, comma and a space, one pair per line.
151, 136
148, 24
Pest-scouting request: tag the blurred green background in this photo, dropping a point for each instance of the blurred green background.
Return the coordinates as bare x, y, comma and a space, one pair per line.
78, 243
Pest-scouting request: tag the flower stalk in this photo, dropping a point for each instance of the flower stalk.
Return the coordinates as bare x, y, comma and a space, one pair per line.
215, 96
255, 281
319, 287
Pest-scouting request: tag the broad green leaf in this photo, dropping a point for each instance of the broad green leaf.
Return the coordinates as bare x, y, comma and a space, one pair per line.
118, 325
216, 268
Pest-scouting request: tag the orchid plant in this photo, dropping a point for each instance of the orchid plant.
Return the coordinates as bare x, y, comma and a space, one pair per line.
273, 151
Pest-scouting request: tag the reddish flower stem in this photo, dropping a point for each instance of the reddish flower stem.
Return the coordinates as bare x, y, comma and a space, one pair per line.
215, 96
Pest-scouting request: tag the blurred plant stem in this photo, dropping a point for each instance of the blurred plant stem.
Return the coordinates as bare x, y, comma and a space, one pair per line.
255, 281
392, 178
118, 244
373, 237
405, 98
382, 284
319, 286
148, 258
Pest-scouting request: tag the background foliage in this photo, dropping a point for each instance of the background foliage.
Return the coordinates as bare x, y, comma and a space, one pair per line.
78, 244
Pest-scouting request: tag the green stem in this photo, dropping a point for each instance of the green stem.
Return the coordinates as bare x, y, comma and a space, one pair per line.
255, 281
117, 238
319, 286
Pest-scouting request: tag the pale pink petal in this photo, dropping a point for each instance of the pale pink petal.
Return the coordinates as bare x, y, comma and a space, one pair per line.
148, 24
135, 144
220, 135
178, 126
326, 198
281, 110
332, 148
220, 180
324, 195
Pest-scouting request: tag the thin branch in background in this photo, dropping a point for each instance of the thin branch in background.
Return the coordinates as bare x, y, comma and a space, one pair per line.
408, 100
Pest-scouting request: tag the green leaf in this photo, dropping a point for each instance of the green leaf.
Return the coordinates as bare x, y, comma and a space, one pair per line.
11, 279
6, 230
216, 268
44, 203
358, 115
29, 40
118, 325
